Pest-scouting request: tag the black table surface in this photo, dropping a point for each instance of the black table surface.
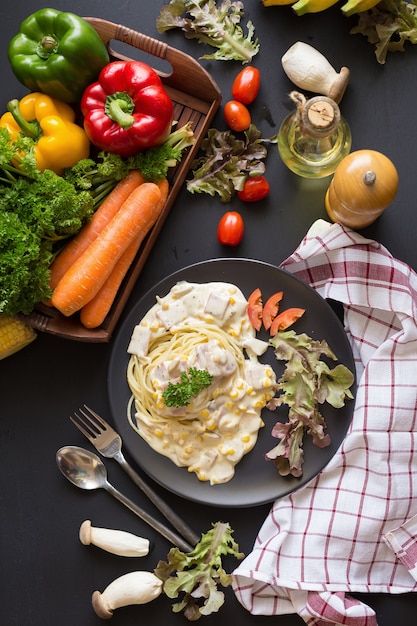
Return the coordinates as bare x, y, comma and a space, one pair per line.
47, 576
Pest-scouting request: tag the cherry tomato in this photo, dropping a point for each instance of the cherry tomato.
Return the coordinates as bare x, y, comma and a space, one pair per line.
255, 308
285, 319
246, 85
230, 229
270, 309
236, 115
254, 189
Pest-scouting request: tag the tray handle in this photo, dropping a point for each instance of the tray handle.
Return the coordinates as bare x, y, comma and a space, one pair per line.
186, 71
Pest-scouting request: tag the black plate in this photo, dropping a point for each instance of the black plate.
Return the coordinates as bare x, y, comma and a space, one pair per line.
256, 480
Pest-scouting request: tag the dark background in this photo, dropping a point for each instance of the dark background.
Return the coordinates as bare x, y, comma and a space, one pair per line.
47, 576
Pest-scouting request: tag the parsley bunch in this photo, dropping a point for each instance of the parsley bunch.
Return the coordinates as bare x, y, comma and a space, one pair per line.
37, 210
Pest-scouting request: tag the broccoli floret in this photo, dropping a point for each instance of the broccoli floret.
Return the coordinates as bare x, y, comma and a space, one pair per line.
101, 175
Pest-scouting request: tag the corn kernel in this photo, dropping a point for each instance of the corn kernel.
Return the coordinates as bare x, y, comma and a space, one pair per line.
233, 394
245, 438
14, 335
159, 433
204, 413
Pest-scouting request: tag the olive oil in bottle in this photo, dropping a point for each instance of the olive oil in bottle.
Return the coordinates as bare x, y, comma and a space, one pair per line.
315, 138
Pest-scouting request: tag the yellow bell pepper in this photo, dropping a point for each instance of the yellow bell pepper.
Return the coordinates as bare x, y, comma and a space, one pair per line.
59, 141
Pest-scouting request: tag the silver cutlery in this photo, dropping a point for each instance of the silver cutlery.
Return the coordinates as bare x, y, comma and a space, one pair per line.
109, 443
85, 470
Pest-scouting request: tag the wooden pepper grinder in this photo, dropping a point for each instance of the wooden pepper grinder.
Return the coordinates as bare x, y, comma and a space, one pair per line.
364, 183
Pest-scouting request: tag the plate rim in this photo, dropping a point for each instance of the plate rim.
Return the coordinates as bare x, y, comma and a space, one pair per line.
292, 483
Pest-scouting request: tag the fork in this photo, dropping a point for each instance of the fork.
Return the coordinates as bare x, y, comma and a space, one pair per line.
109, 443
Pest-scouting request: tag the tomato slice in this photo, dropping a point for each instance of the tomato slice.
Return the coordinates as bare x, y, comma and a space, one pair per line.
285, 319
270, 309
255, 308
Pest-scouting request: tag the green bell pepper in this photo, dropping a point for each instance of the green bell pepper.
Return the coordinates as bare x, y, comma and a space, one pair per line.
57, 53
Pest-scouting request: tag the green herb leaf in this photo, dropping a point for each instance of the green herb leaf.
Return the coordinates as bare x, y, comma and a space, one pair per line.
227, 162
307, 381
191, 383
197, 574
215, 25
388, 26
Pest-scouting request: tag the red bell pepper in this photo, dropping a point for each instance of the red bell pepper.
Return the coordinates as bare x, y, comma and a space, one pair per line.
127, 110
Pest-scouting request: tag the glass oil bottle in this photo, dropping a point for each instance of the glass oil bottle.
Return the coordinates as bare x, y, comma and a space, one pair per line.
315, 138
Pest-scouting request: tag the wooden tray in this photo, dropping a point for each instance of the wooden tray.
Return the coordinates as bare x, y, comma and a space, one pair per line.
196, 98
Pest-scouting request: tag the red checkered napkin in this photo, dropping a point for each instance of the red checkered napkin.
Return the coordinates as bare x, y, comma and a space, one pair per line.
353, 528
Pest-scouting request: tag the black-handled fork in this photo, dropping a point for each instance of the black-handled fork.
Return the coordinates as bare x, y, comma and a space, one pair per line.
109, 443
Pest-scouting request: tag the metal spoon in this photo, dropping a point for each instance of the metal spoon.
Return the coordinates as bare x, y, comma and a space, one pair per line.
86, 470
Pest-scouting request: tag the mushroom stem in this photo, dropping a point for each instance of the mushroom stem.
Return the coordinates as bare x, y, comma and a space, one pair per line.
307, 68
133, 588
117, 542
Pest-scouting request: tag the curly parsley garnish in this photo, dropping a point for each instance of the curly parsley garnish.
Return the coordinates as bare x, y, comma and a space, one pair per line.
191, 383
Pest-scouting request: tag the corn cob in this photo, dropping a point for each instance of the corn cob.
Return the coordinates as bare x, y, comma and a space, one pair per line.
14, 335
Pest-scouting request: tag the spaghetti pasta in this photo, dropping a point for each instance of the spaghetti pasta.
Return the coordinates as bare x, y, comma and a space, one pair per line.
204, 326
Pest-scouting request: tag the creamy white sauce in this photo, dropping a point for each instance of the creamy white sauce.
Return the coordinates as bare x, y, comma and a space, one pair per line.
211, 328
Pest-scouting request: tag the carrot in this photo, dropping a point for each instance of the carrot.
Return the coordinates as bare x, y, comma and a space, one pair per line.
94, 312
108, 208
89, 272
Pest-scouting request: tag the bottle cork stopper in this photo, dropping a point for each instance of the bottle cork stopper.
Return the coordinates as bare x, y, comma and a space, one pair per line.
320, 114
